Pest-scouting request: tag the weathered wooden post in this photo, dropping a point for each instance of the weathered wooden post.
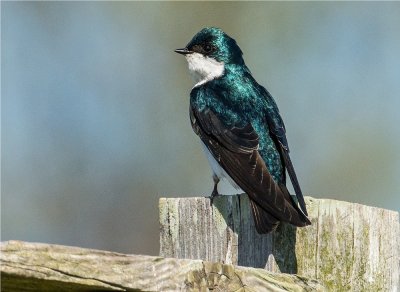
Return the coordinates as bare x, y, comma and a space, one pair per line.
348, 247
52, 268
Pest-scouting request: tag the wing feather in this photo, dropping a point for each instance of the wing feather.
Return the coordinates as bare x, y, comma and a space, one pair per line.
237, 151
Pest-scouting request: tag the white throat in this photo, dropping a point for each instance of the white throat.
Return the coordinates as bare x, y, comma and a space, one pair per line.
204, 69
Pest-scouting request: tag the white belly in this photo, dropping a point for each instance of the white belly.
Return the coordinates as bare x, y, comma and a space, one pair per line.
217, 169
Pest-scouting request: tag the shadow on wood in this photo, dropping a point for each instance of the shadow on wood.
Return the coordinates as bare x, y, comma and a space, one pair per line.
225, 232
272, 249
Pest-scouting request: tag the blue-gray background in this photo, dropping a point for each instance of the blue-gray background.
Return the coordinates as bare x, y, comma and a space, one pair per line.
95, 109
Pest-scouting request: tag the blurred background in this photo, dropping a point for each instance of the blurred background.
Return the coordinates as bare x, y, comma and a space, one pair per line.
94, 112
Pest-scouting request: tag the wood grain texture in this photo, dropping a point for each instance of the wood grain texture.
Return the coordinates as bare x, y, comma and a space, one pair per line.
44, 267
348, 247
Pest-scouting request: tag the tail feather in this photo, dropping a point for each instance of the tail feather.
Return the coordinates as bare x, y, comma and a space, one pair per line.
264, 222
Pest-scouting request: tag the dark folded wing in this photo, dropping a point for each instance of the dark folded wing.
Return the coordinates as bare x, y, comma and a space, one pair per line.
236, 150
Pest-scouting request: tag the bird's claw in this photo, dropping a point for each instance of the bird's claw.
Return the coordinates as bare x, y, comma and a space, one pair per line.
213, 195
215, 189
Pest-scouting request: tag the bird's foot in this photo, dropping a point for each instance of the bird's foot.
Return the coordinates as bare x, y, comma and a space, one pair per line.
215, 189
213, 195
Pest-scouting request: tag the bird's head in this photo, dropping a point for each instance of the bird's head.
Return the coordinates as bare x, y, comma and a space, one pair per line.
208, 52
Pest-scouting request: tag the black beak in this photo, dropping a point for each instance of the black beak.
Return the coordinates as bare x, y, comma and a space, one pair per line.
183, 51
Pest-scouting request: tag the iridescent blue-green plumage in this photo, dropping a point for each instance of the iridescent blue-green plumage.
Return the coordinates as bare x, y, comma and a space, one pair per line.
239, 122
237, 99
227, 49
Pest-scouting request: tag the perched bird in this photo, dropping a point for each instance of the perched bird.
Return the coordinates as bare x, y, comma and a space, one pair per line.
241, 130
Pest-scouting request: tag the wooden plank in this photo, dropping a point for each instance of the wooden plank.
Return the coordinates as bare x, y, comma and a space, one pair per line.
44, 267
348, 247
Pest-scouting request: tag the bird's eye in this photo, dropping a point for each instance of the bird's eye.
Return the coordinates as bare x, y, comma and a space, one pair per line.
207, 48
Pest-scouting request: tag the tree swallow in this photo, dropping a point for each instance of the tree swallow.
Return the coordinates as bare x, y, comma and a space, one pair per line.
240, 127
